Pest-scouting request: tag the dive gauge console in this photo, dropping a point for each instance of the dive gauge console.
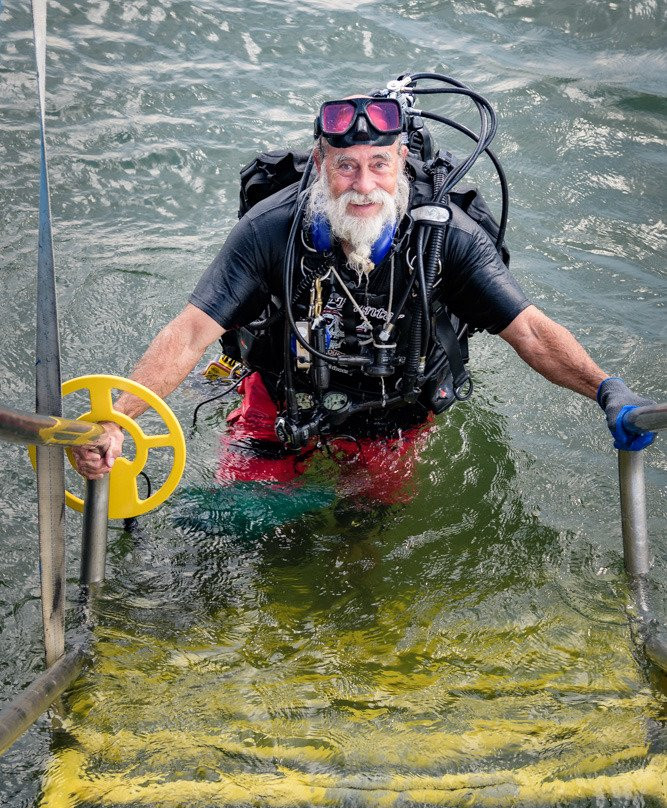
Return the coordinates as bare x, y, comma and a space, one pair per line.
334, 402
297, 435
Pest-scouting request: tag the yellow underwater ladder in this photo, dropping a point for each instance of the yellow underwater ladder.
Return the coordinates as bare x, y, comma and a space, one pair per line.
514, 717
154, 726
290, 787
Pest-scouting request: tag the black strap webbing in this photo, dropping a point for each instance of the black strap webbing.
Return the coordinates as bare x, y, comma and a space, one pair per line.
446, 336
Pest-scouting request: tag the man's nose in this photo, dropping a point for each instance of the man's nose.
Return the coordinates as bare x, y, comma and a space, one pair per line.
364, 182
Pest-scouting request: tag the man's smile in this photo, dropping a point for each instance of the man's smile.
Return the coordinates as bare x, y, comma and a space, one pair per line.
363, 209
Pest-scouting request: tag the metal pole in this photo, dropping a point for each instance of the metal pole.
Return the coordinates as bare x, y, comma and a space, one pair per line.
29, 428
25, 427
646, 419
651, 633
633, 512
26, 708
636, 551
656, 650
95, 524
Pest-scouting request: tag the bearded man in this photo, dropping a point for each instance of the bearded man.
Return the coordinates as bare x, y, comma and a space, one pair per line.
354, 289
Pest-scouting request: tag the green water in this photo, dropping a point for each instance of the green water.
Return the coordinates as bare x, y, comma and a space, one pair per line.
470, 647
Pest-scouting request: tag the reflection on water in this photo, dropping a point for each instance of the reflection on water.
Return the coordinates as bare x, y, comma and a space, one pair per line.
303, 646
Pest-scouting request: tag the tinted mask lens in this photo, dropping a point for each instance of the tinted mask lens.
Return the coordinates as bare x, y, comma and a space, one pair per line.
337, 117
385, 117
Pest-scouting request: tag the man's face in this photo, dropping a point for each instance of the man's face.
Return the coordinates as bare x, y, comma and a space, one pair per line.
360, 190
362, 169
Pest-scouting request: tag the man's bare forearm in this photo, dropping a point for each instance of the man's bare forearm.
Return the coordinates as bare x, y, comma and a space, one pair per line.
162, 368
552, 351
170, 357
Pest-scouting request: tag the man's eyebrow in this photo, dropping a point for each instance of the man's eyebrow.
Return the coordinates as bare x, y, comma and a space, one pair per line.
343, 158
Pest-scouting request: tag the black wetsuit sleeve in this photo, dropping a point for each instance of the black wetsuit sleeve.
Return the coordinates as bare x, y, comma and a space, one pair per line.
478, 287
234, 289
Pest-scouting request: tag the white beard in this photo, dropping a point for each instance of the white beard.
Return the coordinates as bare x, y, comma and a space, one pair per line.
359, 233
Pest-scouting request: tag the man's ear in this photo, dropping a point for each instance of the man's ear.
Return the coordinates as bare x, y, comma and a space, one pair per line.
317, 157
404, 151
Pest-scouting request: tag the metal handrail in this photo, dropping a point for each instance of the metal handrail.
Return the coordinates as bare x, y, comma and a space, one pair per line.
28, 428
46, 430
17, 426
32, 429
643, 419
636, 548
27, 707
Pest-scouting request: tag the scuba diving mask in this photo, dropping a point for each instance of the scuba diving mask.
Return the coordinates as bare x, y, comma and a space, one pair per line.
359, 121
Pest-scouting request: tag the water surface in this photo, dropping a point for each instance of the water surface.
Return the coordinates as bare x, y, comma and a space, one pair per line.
470, 647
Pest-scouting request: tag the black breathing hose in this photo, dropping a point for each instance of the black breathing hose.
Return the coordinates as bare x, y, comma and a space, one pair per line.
288, 268
411, 366
488, 122
426, 278
483, 139
290, 325
504, 210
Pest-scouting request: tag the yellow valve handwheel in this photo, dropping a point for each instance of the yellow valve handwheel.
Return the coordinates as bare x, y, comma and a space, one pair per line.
124, 500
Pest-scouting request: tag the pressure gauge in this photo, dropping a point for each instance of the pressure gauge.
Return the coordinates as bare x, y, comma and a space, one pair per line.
305, 401
334, 401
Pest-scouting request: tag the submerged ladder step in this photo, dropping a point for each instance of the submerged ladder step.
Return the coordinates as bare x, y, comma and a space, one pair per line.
425, 753
68, 787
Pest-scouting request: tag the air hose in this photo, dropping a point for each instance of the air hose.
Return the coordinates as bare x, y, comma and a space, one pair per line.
416, 359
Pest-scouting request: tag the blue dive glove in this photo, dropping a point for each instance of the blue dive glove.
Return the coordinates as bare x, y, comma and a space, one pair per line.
616, 399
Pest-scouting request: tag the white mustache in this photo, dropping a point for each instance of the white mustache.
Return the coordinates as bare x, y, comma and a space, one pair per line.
358, 232
376, 197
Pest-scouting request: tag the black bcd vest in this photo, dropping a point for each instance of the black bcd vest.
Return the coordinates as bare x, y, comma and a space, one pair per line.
257, 345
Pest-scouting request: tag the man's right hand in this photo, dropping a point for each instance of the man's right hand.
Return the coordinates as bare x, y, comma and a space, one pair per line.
93, 461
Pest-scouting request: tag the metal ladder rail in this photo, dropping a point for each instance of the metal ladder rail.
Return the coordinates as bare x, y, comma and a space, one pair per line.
44, 427
28, 428
17, 426
636, 548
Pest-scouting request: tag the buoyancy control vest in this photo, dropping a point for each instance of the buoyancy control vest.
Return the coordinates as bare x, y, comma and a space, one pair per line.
256, 345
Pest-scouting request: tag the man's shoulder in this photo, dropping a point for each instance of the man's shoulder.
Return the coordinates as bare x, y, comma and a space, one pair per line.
279, 206
462, 222
468, 247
